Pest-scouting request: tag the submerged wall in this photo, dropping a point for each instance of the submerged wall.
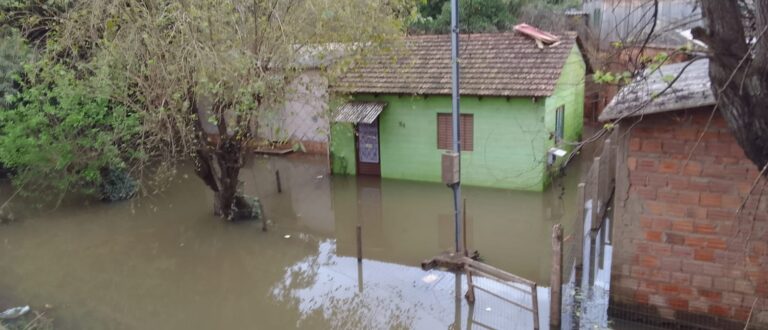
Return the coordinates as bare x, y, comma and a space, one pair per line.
509, 141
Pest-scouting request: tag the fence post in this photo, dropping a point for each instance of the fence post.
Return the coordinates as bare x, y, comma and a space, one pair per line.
535, 305
595, 191
279, 185
359, 243
556, 278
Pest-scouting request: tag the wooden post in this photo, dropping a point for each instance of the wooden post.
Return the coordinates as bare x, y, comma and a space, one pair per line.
359, 243
556, 278
535, 305
263, 222
464, 229
470, 296
594, 193
279, 186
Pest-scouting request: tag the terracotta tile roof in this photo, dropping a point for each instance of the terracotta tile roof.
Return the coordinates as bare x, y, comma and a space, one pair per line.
498, 64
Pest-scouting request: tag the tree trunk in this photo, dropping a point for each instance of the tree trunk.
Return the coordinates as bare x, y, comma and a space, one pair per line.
739, 79
219, 167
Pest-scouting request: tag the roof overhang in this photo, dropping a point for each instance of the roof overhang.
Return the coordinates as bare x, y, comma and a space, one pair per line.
359, 112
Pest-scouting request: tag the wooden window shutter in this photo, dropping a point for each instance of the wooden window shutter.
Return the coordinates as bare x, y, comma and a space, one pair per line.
445, 132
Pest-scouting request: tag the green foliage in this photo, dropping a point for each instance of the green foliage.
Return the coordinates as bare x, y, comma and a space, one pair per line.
476, 16
13, 53
60, 132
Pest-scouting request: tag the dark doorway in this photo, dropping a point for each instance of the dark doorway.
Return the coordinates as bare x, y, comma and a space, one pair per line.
367, 144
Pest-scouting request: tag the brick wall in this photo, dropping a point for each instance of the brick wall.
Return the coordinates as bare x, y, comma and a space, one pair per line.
681, 251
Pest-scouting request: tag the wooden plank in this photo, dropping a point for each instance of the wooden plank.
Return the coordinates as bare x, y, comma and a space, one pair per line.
556, 277
535, 306
594, 192
277, 152
500, 281
497, 272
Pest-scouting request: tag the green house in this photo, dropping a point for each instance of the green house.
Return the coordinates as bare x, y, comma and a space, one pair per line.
520, 99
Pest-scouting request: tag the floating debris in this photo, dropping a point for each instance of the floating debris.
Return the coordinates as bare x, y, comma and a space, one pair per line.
429, 279
287, 236
12, 313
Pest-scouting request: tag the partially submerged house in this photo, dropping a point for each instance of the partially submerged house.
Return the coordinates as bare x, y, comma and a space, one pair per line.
681, 252
519, 99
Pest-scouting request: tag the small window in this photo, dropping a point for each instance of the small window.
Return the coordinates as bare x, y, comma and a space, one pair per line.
445, 131
560, 124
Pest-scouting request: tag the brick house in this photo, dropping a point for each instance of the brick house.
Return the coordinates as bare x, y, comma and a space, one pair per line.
681, 253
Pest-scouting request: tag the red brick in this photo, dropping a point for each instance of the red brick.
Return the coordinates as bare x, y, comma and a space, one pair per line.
704, 228
642, 297
666, 195
673, 147
671, 264
723, 284
678, 303
695, 241
661, 224
648, 261
701, 281
688, 197
731, 201
719, 310
675, 239
744, 287
669, 166
707, 255
717, 243
675, 210
687, 133
638, 179
711, 200
721, 186
682, 226
654, 208
651, 145
657, 180
718, 149
695, 212
721, 215
699, 184
692, 169
653, 236
682, 251
634, 144
678, 182
710, 295
681, 278
647, 165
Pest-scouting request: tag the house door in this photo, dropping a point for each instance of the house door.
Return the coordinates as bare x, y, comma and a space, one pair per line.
368, 160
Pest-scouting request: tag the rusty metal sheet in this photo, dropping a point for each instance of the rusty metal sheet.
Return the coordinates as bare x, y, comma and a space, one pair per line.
359, 112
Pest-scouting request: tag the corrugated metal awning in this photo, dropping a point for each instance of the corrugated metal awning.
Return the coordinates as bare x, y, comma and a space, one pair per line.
359, 112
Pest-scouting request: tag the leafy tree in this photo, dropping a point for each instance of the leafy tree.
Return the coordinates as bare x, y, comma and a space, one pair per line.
475, 16
13, 52
178, 67
61, 133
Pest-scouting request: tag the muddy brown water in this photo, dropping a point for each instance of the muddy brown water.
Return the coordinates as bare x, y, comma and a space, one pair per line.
166, 263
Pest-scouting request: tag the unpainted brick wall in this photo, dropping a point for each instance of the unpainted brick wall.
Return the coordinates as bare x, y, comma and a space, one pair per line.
679, 245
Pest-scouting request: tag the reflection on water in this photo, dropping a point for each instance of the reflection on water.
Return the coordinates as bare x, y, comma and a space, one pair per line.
167, 263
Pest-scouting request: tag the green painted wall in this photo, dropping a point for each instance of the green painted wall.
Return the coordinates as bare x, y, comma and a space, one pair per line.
511, 136
569, 92
343, 149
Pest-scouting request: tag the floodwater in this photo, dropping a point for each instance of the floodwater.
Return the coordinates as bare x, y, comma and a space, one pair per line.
166, 263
